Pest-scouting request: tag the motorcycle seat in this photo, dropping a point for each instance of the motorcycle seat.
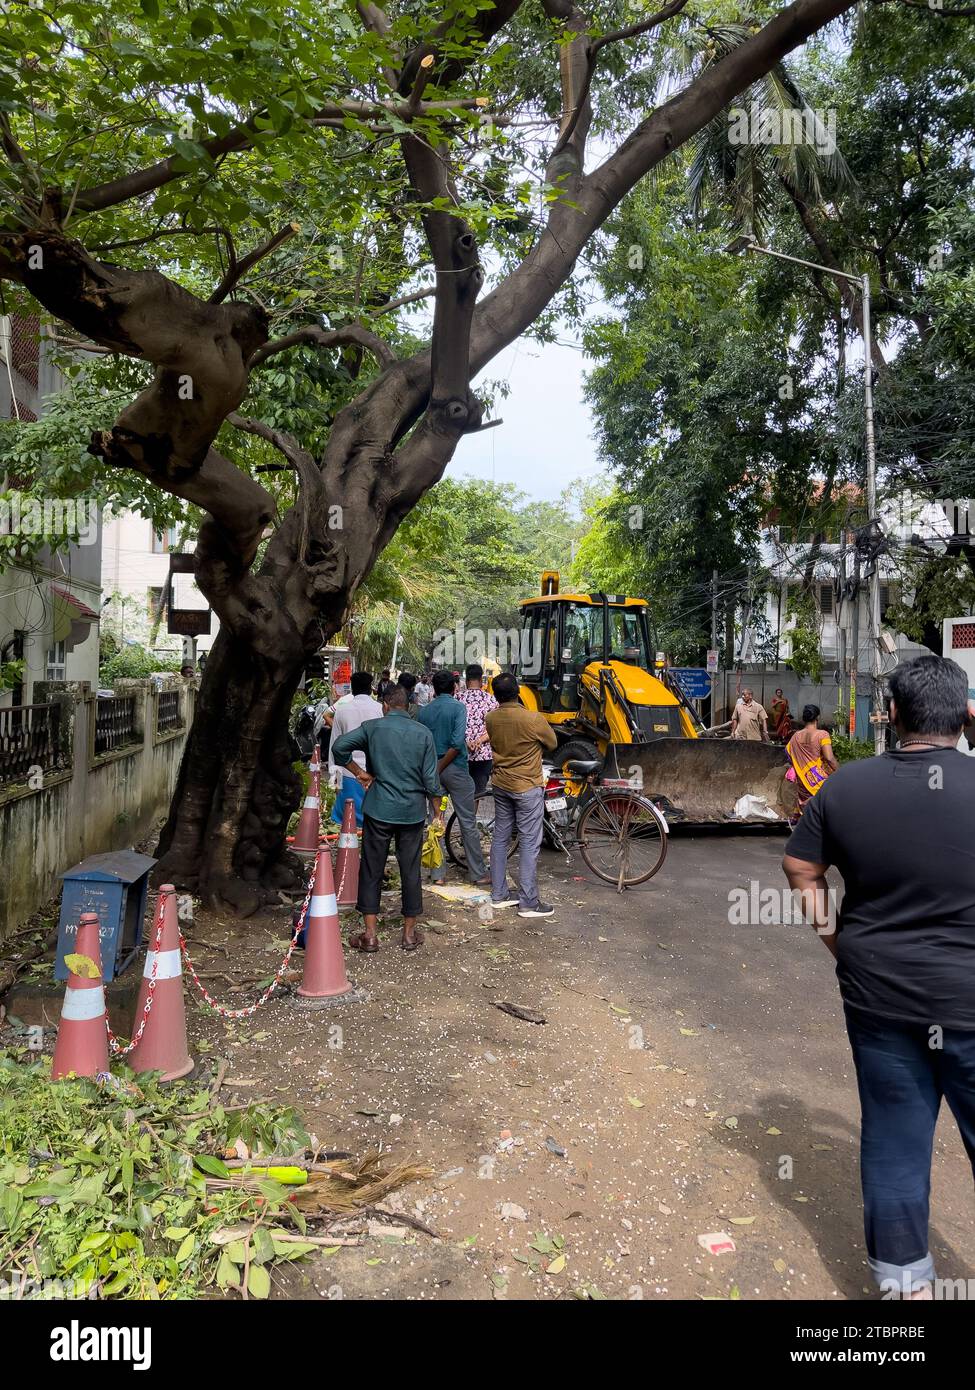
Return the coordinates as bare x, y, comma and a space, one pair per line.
582, 767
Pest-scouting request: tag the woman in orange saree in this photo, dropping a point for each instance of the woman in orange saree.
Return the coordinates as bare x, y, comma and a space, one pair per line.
810, 751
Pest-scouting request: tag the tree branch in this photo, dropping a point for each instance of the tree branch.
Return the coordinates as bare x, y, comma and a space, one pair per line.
575, 107
238, 269
505, 313
423, 293
351, 333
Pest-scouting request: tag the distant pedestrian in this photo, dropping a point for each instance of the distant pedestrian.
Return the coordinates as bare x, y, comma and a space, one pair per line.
384, 685
478, 703
423, 691
446, 719
400, 779
348, 716
518, 737
781, 715
407, 682
899, 829
749, 721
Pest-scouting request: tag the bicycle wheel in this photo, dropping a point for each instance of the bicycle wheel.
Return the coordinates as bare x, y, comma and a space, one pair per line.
484, 812
622, 838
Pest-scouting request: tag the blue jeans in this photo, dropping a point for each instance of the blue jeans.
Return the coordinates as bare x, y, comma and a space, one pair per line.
351, 790
526, 810
902, 1075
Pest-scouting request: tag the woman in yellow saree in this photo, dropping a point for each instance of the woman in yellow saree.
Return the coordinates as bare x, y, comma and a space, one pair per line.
811, 754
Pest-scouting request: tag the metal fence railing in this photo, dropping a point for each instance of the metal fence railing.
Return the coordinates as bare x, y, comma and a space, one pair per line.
29, 738
169, 715
115, 723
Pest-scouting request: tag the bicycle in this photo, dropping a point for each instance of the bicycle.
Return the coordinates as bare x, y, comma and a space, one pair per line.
621, 835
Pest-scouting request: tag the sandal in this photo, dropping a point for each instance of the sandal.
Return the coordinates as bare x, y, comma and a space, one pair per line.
368, 945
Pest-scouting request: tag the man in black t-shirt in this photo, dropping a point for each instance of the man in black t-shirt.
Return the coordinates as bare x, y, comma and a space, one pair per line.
899, 828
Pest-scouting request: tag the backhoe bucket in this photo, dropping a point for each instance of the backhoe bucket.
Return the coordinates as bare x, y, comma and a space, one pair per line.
703, 778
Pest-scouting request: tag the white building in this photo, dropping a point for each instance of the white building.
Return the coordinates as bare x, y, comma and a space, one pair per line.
49, 606
134, 575
785, 556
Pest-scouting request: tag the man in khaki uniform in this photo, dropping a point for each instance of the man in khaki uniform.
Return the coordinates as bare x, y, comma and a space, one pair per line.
749, 720
517, 737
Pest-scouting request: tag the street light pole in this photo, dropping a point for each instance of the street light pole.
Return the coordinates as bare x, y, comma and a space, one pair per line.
862, 284
879, 741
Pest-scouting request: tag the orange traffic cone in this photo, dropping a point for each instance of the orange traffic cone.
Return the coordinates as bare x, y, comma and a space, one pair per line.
347, 859
82, 1043
162, 1046
324, 977
306, 836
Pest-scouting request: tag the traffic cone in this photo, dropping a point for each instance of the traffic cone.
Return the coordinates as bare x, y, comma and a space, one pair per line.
347, 859
306, 836
82, 1042
162, 1046
324, 976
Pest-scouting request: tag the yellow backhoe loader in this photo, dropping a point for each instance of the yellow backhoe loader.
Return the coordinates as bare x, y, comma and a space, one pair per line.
586, 664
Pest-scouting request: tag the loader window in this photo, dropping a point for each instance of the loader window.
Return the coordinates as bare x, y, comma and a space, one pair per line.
626, 642
582, 636
537, 644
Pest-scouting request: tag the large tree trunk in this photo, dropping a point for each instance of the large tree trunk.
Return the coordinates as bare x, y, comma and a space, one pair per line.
237, 788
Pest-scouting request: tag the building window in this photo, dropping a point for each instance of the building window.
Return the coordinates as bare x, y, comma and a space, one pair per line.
164, 541
55, 663
826, 599
889, 595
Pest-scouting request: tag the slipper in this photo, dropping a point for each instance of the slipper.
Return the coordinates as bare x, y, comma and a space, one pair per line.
412, 945
363, 943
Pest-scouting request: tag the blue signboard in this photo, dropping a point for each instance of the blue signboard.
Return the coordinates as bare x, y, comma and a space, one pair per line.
693, 680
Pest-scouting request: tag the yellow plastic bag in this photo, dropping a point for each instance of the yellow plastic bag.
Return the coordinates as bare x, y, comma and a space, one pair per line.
431, 856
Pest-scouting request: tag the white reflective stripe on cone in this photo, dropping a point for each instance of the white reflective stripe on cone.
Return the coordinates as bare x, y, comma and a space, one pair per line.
348, 841
312, 802
167, 968
81, 1005
323, 905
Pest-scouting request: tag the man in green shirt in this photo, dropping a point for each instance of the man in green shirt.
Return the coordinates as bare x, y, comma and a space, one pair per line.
400, 777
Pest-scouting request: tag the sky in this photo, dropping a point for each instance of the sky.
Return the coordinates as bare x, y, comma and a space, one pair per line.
547, 437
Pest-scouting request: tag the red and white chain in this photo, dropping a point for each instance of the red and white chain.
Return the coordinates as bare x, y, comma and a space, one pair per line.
117, 1048
279, 974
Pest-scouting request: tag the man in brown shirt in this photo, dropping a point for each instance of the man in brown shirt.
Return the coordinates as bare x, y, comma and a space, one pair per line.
749, 722
517, 738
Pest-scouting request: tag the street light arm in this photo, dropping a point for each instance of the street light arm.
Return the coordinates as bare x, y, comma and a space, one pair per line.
857, 280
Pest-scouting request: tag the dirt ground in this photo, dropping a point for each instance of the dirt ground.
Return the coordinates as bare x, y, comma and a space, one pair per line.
581, 1157
691, 1078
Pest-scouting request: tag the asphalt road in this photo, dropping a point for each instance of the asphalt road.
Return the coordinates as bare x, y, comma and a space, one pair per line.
772, 1042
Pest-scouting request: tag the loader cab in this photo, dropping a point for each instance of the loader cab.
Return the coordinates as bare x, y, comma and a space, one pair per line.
562, 634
